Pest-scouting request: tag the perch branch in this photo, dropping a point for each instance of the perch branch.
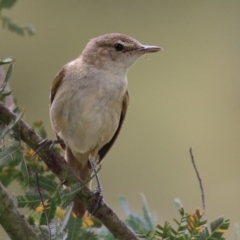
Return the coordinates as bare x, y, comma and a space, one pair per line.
12, 221
62, 170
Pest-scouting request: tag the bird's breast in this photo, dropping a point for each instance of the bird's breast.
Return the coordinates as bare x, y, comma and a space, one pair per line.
89, 116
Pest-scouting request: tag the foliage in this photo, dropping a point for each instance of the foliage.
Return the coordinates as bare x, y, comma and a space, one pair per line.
11, 25
50, 204
190, 227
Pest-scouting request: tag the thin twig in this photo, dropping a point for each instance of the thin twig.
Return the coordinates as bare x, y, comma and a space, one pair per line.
199, 179
44, 208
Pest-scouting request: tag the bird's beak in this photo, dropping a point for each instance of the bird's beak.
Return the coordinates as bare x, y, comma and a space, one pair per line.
149, 49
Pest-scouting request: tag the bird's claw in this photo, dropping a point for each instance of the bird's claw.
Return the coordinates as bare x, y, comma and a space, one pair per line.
98, 191
44, 143
99, 199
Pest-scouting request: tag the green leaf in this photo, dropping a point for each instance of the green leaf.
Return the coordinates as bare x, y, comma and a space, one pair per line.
30, 200
69, 193
7, 4
4, 95
50, 209
42, 232
88, 235
164, 232
7, 61
34, 218
147, 236
125, 205
31, 220
8, 175
56, 197
219, 227
204, 234
44, 182
181, 211
74, 228
11, 125
182, 228
177, 222
14, 27
136, 222
146, 213
133, 220
7, 155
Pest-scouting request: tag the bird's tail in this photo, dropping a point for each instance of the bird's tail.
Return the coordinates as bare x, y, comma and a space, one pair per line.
80, 167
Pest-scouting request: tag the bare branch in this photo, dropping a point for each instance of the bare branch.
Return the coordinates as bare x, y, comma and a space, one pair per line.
62, 170
199, 179
12, 221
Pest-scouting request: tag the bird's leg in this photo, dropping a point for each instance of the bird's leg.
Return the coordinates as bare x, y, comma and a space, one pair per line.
93, 166
44, 143
98, 191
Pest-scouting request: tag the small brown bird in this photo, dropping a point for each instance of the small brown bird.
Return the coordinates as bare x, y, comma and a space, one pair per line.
89, 100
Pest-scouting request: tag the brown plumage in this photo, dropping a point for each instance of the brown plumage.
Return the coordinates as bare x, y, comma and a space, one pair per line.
89, 100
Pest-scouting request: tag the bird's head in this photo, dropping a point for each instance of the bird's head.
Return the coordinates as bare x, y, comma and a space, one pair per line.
115, 50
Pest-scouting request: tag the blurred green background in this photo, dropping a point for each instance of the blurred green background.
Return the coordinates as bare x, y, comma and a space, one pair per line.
186, 96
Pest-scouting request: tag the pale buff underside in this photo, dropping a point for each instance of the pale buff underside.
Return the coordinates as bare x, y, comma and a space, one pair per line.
87, 118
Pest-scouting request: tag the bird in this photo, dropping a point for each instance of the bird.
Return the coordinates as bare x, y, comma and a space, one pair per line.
89, 100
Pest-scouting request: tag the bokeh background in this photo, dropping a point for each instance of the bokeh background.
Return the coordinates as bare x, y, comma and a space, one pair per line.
186, 96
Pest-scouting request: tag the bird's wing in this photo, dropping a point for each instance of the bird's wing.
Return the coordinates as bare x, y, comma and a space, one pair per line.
55, 85
104, 150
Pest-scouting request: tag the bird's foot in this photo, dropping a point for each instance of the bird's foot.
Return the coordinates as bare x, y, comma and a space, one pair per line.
99, 199
98, 191
44, 143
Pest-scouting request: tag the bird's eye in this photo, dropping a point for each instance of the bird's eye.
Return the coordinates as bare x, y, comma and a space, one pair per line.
118, 47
